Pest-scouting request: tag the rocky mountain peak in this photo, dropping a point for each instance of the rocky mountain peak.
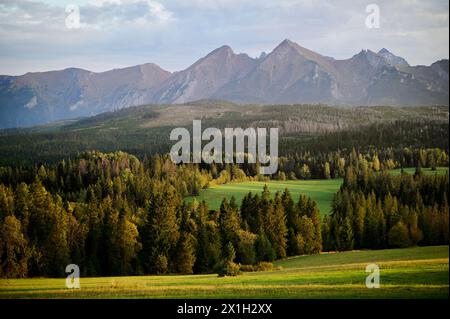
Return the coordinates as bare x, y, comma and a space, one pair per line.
391, 58
290, 73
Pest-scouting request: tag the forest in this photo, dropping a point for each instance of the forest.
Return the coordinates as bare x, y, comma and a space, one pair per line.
68, 196
376, 211
113, 214
305, 130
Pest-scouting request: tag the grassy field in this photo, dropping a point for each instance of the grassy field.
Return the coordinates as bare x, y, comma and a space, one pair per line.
426, 171
322, 191
420, 272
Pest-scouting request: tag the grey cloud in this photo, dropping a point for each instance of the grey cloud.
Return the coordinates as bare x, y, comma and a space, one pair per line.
135, 32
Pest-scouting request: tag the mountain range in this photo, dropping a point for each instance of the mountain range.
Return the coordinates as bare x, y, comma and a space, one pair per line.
290, 74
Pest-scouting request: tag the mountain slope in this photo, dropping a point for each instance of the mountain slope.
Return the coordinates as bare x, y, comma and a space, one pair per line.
36, 98
205, 77
293, 74
289, 74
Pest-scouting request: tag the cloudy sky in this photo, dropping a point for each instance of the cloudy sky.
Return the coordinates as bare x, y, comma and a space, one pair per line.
34, 34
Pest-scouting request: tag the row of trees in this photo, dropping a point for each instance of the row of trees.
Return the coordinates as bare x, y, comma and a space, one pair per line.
314, 129
40, 234
114, 215
71, 176
328, 165
378, 210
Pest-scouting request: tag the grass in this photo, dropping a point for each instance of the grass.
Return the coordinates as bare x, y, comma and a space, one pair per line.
426, 171
322, 191
420, 272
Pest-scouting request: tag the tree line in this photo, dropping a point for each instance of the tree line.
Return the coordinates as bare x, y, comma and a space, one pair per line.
378, 210
113, 214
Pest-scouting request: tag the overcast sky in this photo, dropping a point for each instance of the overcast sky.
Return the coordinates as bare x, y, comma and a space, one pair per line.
175, 33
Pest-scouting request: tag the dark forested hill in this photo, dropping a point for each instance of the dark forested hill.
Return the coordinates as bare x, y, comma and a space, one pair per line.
145, 130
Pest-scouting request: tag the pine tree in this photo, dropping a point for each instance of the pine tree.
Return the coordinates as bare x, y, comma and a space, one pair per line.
246, 248
22, 206
161, 230
129, 246
229, 223
208, 252
306, 236
327, 171
6, 201
314, 214
263, 248
275, 229
289, 209
398, 235
228, 267
55, 245
14, 251
415, 233
346, 235
185, 255
358, 221
376, 163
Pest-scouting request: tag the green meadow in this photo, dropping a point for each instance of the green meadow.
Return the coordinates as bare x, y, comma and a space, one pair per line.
426, 171
322, 191
419, 272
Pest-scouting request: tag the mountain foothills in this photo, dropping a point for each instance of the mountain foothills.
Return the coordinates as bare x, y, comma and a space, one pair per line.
289, 74
303, 129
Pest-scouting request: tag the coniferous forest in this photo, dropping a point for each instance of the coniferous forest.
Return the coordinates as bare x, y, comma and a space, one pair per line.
113, 214
125, 212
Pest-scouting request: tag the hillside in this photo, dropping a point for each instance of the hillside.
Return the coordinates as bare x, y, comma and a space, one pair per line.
146, 129
38, 98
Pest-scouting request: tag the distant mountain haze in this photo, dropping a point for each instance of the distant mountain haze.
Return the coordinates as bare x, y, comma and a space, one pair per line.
37, 98
290, 74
